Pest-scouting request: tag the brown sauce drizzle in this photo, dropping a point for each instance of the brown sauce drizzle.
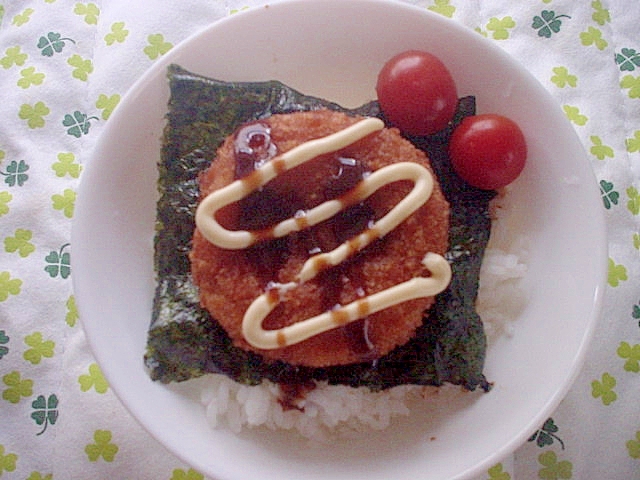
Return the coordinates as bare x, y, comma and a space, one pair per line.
253, 147
267, 206
291, 394
356, 332
264, 207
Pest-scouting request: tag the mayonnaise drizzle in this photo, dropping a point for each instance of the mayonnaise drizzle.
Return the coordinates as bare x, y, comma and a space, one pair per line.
419, 287
263, 305
237, 190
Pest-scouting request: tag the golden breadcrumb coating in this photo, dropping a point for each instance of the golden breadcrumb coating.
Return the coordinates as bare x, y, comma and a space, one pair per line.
229, 280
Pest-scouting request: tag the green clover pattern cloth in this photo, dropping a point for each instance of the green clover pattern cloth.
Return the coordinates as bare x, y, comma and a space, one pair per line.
64, 67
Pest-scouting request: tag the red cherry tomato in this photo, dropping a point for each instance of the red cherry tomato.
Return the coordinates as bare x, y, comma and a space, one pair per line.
488, 151
417, 93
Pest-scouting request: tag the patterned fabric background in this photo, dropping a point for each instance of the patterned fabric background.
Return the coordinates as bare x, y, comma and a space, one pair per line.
64, 67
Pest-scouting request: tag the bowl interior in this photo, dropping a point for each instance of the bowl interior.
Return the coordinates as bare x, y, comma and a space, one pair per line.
334, 49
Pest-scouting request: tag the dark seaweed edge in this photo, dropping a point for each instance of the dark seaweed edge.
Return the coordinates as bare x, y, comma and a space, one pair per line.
185, 342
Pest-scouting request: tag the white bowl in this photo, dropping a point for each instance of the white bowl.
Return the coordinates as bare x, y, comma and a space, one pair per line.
334, 49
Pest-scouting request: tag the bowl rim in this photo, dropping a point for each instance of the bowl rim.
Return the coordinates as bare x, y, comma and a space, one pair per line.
158, 68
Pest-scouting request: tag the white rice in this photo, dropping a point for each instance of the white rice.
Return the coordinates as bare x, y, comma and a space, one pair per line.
330, 410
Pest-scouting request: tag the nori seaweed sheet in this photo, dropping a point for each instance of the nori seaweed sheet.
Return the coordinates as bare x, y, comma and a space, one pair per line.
184, 341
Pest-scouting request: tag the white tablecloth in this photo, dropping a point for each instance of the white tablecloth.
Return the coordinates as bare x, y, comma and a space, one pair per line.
65, 65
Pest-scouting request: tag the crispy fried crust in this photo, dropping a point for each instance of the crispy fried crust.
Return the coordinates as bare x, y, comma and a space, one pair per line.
229, 280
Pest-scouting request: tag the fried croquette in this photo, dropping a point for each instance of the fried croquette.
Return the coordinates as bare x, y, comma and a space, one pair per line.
230, 280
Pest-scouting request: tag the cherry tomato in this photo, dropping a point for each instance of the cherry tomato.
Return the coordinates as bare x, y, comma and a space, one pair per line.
488, 151
416, 92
